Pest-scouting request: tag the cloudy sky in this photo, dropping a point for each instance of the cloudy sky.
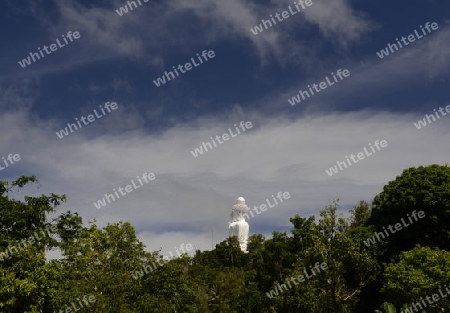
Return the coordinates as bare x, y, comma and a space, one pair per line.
118, 57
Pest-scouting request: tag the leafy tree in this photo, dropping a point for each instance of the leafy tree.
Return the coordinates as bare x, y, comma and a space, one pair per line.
111, 263
229, 253
425, 188
171, 287
100, 263
369, 296
387, 308
255, 243
22, 276
360, 214
420, 272
349, 268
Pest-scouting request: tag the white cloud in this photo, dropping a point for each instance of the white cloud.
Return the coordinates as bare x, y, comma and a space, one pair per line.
419, 65
192, 196
147, 33
283, 152
337, 20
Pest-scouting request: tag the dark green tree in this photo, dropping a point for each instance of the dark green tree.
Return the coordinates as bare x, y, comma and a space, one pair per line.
25, 234
423, 188
421, 272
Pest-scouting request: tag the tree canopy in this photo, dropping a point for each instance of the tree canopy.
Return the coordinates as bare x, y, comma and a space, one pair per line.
111, 265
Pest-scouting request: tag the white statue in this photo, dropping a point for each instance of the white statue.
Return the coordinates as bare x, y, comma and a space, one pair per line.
239, 227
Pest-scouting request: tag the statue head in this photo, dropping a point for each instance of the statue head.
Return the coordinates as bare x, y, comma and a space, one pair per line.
239, 209
240, 200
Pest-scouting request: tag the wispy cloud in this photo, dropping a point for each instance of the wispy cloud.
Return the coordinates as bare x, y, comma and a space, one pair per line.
192, 196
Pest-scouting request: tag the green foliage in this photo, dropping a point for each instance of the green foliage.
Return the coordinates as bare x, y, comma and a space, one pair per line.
360, 214
110, 263
422, 188
349, 267
387, 308
420, 272
23, 281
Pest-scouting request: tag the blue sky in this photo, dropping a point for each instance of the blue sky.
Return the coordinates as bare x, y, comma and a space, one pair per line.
250, 78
